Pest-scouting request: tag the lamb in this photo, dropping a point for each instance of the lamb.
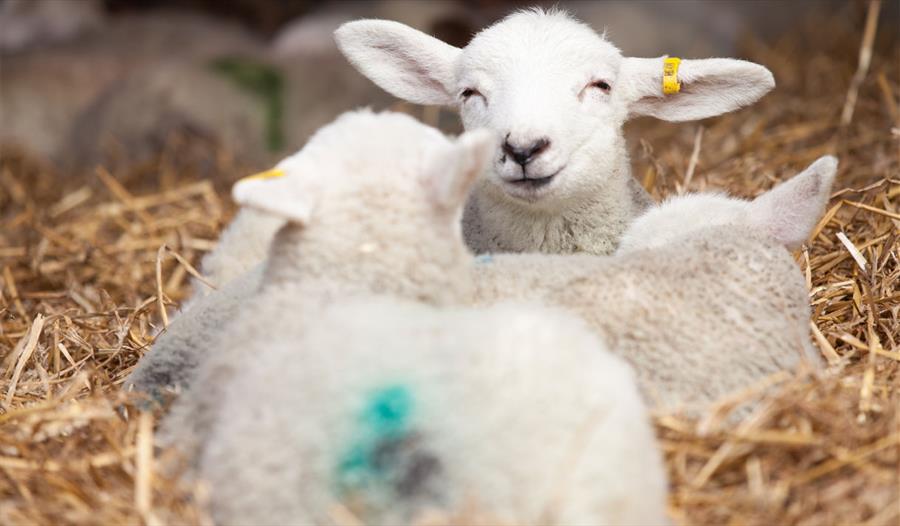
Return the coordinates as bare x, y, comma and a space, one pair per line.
701, 304
394, 409
556, 94
402, 178
383, 220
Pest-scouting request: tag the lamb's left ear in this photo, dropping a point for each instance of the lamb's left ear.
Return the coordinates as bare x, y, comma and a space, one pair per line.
708, 87
453, 170
273, 192
791, 210
403, 61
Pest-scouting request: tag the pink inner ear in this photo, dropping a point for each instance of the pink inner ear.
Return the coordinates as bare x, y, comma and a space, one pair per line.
783, 232
790, 215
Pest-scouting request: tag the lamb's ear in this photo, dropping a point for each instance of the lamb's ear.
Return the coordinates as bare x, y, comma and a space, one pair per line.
709, 87
272, 192
791, 210
403, 61
453, 170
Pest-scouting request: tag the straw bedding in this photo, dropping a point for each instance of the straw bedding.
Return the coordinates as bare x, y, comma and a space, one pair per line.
89, 264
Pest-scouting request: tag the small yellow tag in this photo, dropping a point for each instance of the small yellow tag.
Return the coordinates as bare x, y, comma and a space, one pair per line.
274, 173
670, 83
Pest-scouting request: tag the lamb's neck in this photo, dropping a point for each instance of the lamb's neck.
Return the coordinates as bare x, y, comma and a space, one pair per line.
592, 222
332, 269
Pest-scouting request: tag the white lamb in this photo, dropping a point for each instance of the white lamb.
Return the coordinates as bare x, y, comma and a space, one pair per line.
704, 298
376, 182
556, 94
397, 410
371, 205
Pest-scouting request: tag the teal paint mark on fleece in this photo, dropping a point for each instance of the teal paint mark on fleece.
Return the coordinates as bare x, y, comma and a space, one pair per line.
388, 410
385, 417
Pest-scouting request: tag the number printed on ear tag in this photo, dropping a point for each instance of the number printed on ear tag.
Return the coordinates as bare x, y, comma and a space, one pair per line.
670, 83
274, 173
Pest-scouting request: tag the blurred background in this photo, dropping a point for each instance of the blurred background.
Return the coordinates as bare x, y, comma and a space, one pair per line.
118, 82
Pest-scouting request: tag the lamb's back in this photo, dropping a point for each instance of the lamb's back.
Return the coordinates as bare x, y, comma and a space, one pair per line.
697, 321
472, 416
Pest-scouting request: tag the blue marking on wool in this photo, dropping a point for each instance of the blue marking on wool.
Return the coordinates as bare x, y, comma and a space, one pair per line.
484, 259
385, 416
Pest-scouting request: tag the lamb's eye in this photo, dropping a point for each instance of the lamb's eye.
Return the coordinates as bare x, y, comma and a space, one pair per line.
602, 85
469, 92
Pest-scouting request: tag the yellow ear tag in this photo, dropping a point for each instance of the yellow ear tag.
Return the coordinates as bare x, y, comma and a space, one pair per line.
670, 83
274, 173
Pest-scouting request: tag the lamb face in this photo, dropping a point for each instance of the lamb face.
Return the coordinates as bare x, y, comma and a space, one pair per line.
556, 95
543, 84
787, 213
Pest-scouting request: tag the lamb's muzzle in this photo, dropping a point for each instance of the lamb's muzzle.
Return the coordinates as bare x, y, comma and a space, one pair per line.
522, 155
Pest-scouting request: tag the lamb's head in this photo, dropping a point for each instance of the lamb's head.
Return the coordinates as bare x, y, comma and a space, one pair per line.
374, 195
555, 92
787, 213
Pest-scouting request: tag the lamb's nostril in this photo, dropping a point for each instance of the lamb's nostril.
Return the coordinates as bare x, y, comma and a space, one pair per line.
539, 146
523, 155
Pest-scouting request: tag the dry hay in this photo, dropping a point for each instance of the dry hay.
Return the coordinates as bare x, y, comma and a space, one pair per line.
84, 279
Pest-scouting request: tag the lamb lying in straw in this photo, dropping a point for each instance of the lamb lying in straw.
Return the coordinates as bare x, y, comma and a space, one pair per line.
703, 297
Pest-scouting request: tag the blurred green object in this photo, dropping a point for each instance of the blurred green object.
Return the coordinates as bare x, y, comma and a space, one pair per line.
264, 82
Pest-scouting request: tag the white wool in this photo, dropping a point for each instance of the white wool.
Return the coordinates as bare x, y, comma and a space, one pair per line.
543, 76
680, 217
787, 213
179, 350
242, 246
359, 222
700, 311
396, 409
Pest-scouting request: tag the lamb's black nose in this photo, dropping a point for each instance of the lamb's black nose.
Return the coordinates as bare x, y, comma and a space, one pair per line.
523, 155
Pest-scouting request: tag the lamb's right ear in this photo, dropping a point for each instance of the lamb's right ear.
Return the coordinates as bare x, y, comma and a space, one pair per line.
403, 61
791, 210
272, 192
452, 171
700, 88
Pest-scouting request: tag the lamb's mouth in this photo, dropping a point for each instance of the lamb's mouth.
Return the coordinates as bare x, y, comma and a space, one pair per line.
530, 188
532, 183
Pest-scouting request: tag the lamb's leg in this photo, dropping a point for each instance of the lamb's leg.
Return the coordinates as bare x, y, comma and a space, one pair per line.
170, 365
